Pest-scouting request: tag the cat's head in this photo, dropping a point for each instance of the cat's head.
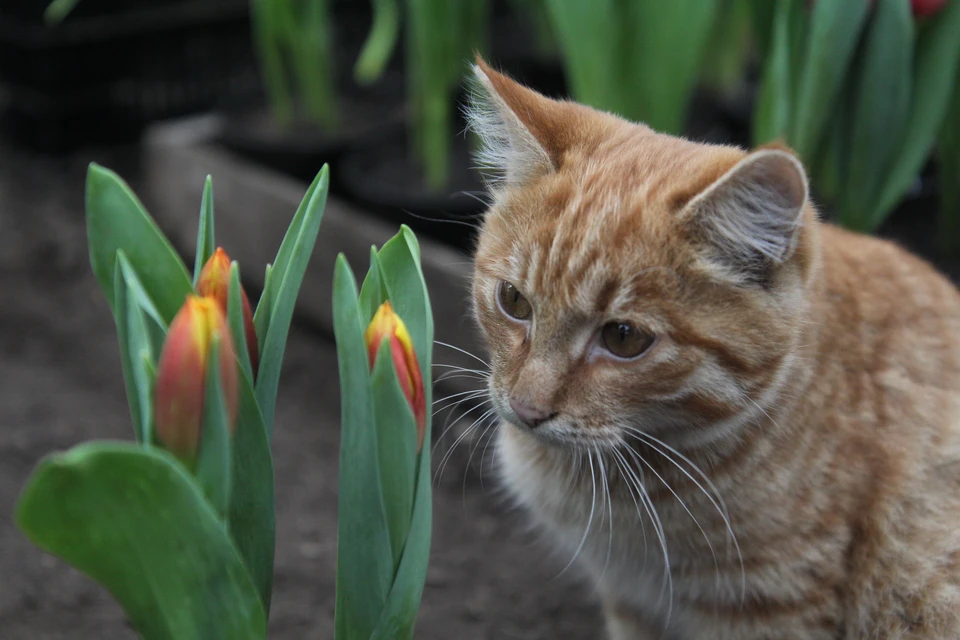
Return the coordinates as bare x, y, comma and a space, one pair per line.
626, 279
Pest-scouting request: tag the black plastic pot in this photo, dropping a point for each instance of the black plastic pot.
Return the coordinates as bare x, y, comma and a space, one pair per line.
114, 67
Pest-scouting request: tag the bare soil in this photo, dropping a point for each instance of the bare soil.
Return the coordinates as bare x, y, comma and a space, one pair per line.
60, 384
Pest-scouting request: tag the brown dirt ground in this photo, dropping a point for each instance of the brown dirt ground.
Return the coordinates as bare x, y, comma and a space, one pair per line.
60, 384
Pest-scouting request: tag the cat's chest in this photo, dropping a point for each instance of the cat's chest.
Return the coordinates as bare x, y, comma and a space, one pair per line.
681, 554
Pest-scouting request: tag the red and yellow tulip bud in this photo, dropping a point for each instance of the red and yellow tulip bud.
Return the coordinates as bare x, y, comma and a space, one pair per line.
387, 324
214, 281
182, 374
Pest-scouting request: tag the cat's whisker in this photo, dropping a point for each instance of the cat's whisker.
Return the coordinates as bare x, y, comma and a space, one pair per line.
485, 374
667, 584
453, 375
609, 500
683, 505
472, 393
448, 425
473, 451
632, 480
719, 505
593, 504
450, 407
449, 453
483, 455
463, 351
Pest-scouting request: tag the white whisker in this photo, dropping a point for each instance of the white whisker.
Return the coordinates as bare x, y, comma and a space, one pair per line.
464, 352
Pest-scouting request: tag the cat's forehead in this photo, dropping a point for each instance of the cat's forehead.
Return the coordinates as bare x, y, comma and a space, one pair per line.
584, 244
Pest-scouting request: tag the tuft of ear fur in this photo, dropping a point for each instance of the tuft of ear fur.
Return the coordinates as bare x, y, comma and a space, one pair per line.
509, 149
750, 217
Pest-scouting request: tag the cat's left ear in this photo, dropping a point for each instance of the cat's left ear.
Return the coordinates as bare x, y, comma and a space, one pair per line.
751, 216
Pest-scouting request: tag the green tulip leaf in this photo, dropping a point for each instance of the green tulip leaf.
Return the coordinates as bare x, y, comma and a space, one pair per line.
832, 40
403, 603
772, 117
396, 448
936, 61
364, 560
206, 241
139, 346
289, 269
261, 321
238, 329
117, 220
213, 466
137, 523
880, 105
372, 293
252, 516
284, 255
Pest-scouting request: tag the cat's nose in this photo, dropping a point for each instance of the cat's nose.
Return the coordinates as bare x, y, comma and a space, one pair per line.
529, 414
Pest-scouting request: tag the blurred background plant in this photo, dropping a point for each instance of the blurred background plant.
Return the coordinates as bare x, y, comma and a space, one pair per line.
860, 90
293, 40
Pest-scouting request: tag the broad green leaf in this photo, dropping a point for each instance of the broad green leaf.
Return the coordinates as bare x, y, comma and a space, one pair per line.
213, 467
834, 32
372, 293
380, 43
403, 602
762, 15
136, 289
665, 43
880, 103
831, 165
252, 517
235, 319
206, 241
936, 61
396, 448
117, 220
772, 116
138, 409
137, 523
293, 266
407, 291
589, 49
364, 560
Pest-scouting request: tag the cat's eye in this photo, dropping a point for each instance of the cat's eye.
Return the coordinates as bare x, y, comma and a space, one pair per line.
624, 340
512, 301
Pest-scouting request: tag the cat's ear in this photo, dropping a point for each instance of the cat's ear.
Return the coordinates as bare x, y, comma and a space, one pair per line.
521, 138
751, 216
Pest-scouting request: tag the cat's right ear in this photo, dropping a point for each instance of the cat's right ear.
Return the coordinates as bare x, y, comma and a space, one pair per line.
519, 138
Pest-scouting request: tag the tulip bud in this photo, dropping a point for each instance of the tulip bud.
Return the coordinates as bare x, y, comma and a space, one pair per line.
214, 281
923, 8
182, 374
387, 324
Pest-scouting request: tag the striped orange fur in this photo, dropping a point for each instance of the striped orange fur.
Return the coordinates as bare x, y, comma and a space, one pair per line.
783, 461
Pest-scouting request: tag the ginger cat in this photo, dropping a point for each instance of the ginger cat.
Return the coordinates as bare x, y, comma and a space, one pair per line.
743, 422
